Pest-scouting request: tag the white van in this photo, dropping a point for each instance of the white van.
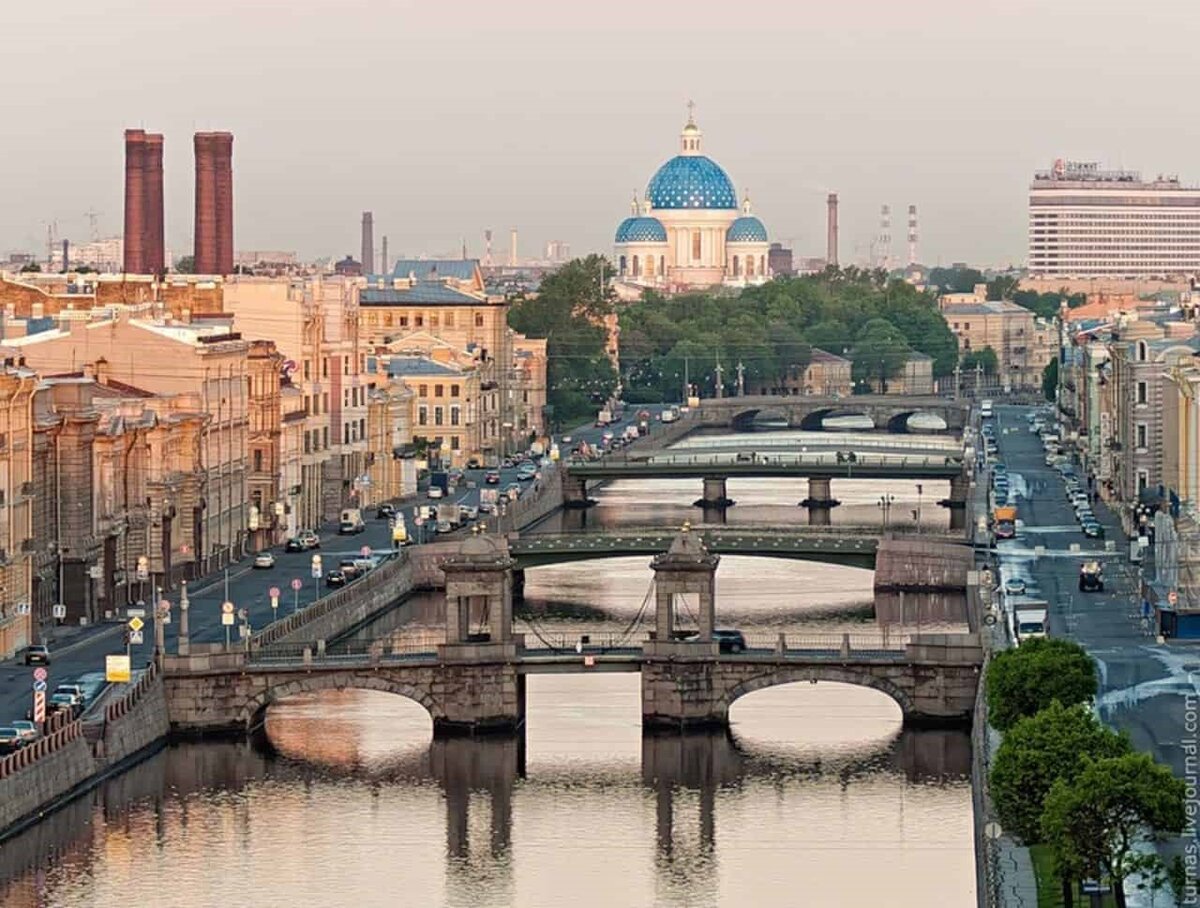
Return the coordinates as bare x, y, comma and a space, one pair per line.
985, 409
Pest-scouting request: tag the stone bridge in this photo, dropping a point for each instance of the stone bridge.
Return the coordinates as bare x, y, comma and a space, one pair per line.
888, 412
475, 681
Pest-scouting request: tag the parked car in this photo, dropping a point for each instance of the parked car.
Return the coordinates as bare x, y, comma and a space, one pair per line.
349, 567
63, 703
1014, 586
486, 507
309, 539
468, 512
28, 730
385, 512
335, 579
526, 474
293, 545
11, 740
264, 561
435, 492
492, 477
37, 654
75, 690
513, 491
729, 641
444, 526
1092, 529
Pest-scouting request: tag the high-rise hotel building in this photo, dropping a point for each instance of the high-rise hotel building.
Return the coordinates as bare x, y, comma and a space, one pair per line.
1086, 222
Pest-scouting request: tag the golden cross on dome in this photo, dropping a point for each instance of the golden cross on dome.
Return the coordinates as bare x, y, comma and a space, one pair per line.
691, 106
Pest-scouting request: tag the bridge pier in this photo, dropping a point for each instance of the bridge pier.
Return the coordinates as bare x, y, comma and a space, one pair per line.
714, 493
574, 491
960, 491
820, 500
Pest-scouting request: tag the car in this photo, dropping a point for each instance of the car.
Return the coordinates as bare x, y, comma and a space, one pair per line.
492, 477
335, 579
385, 512
513, 491
526, 475
729, 641
38, 654
507, 463
75, 690
445, 526
309, 539
11, 740
264, 561
468, 512
436, 492
486, 507
1093, 530
63, 703
28, 730
350, 567
566, 439
456, 475
1000, 467
1014, 586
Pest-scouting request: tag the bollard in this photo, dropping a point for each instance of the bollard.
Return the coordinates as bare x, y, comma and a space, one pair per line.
307, 657
321, 648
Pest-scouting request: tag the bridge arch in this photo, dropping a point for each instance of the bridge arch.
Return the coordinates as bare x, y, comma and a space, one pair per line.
746, 419
253, 710
811, 673
903, 422
815, 421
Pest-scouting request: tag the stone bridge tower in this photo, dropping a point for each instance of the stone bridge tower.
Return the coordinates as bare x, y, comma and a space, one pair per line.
479, 597
686, 573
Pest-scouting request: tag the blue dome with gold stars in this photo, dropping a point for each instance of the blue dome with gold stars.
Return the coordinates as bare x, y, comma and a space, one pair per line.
691, 181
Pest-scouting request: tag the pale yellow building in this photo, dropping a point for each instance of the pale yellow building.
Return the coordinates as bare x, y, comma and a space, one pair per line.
1023, 343
17, 386
826, 375
392, 469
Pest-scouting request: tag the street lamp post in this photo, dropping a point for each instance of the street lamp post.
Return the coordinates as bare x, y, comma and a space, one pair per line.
919, 491
885, 507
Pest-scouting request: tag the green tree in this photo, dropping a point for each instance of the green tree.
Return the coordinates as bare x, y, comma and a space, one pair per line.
986, 358
186, 265
1050, 380
1096, 821
1002, 287
879, 353
1022, 681
1036, 752
955, 280
31, 268
831, 336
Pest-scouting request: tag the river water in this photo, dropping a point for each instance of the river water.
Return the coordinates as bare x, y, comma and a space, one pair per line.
816, 797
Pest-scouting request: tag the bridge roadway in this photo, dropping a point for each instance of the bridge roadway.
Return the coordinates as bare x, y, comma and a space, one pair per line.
811, 466
850, 546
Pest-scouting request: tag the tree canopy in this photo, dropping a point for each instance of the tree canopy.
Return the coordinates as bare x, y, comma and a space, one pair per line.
985, 358
1036, 752
955, 280
570, 311
772, 329
1029, 678
1050, 380
186, 264
1096, 820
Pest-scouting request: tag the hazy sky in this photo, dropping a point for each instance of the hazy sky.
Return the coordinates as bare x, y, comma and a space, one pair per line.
446, 118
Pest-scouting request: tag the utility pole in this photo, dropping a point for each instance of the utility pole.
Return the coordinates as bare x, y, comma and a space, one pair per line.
720, 388
957, 378
687, 380
741, 379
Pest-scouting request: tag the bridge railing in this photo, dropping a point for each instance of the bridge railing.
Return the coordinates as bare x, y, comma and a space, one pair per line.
716, 530
372, 651
860, 643
45, 745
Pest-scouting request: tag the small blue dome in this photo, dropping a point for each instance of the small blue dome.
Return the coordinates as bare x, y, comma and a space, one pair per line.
641, 230
691, 181
746, 229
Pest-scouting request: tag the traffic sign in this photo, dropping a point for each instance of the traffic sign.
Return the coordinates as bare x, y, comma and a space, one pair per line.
116, 668
273, 592
40, 673
59, 610
39, 707
227, 608
243, 614
227, 618
39, 685
297, 584
136, 624
132, 612
135, 637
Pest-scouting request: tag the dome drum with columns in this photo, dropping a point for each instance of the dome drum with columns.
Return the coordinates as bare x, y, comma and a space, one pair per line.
688, 230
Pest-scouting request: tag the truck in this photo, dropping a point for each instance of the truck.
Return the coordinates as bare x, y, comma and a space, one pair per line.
603, 418
985, 409
440, 479
351, 522
1091, 577
670, 414
449, 514
1030, 620
1005, 526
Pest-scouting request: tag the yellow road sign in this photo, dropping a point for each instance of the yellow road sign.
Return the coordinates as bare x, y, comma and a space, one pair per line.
116, 669
136, 624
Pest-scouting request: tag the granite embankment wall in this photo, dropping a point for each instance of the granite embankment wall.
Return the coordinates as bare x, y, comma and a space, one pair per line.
76, 757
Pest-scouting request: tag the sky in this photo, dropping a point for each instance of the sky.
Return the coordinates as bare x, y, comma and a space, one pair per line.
448, 118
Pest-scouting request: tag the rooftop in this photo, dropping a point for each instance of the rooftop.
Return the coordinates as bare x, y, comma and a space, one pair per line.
436, 269
400, 366
424, 292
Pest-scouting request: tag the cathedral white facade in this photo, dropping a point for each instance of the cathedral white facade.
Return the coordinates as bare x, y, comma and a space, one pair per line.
689, 231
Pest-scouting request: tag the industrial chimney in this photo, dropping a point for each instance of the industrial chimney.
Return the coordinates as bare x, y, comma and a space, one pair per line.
154, 249
383, 264
912, 235
512, 255
831, 234
135, 201
214, 203
368, 243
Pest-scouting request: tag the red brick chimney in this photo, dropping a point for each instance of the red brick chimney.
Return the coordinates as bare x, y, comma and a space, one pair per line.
135, 201
214, 203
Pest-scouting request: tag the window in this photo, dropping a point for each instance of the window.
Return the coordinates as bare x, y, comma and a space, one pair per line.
1141, 351
422, 416
326, 401
422, 390
325, 433
433, 320
387, 320
325, 367
439, 390
448, 320
419, 320
307, 443
346, 398
307, 370
454, 390
258, 460
438, 416
345, 365
1141, 393
404, 321
737, 269
454, 416
636, 268
1141, 435
453, 442
621, 265
696, 245
966, 326
346, 434
478, 319
1143, 480
362, 428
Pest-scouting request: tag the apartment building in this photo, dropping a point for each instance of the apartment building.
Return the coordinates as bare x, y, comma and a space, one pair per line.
267, 520
392, 469
445, 391
825, 374
1023, 343
17, 385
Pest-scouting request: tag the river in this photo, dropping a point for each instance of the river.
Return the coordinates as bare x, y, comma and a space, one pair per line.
817, 796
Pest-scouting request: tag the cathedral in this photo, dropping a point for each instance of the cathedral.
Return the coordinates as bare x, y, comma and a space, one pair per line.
689, 231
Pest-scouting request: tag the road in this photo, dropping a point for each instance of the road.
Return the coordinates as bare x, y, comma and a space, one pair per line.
246, 588
1142, 683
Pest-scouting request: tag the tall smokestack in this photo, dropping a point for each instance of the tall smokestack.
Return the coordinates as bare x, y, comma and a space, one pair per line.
383, 265
66, 256
884, 251
368, 242
831, 230
214, 203
154, 250
487, 245
912, 234
135, 201
512, 255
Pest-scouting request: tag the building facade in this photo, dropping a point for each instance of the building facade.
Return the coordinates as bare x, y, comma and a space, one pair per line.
1023, 343
825, 375
17, 386
1085, 222
688, 230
